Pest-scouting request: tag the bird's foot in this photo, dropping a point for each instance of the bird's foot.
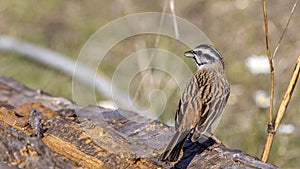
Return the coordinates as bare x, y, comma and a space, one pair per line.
217, 144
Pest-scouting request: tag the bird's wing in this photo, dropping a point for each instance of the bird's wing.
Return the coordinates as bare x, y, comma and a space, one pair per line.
212, 111
178, 116
191, 106
201, 103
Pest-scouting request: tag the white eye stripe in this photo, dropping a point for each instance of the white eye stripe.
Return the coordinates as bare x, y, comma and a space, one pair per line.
213, 53
209, 50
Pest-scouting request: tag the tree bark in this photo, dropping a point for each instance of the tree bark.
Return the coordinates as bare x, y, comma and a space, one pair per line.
41, 131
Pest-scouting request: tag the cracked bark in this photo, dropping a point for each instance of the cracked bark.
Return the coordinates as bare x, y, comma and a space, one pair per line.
93, 137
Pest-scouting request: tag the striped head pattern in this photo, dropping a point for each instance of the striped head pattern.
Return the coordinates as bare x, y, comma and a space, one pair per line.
205, 56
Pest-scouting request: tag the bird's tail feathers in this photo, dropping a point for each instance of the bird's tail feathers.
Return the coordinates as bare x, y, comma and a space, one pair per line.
172, 151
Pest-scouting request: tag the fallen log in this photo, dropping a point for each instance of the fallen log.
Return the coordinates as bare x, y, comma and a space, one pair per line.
42, 131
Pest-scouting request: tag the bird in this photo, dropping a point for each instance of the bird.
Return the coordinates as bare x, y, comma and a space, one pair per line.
202, 102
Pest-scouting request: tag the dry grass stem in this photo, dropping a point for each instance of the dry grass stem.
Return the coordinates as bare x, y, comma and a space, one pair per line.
272, 127
282, 110
288, 95
270, 136
284, 30
270, 61
151, 57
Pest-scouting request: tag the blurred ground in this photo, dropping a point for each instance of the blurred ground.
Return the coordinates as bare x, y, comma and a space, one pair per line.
234, 27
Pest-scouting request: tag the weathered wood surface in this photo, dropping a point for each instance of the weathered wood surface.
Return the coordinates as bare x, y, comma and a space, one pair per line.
41, 131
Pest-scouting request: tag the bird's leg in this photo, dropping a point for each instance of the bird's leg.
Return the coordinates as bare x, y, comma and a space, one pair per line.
218, 141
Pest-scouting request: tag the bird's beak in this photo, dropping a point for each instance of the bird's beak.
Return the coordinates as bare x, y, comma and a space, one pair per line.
189, 54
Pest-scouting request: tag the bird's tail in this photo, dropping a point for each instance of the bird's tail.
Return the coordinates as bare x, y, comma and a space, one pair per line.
172, 151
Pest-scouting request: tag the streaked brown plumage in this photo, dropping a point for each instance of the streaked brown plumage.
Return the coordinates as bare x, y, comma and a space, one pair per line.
202, 102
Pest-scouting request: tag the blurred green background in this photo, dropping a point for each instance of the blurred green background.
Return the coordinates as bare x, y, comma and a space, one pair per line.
235, 27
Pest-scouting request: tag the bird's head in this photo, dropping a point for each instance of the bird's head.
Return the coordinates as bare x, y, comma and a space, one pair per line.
206, 56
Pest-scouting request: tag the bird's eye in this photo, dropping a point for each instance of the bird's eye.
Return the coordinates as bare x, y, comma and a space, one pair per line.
199, 53
208, 57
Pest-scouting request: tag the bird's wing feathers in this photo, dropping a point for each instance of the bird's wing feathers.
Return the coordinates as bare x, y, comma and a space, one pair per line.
201, 103
191, 106
178, 115
210, 118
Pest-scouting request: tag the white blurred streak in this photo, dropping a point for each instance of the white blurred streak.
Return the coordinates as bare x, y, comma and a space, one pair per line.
172, 7
60, 62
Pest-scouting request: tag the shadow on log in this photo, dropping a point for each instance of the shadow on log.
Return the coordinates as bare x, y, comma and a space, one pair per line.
41, 131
